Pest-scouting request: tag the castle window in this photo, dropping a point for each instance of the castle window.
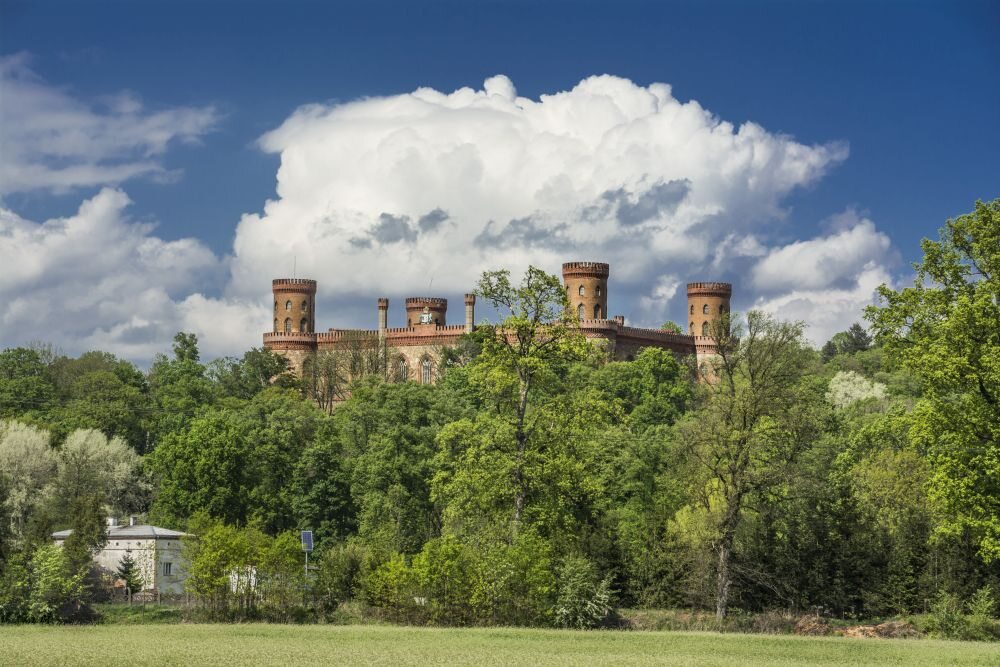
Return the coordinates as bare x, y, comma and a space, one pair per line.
582, 291
305, 306
304, 325
579, 311
691, 327
276, 325
598, 290
276, 307
288, 325
722, 309
402, 370
597, 311
704, 328
288, 305
704, 309
692, 309
168, 569
426, 371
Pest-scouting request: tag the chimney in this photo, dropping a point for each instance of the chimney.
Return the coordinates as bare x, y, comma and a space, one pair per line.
383, 314
112, 522
133, 520
470, 312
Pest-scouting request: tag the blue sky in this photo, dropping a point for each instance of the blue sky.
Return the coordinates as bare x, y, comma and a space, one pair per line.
906, 92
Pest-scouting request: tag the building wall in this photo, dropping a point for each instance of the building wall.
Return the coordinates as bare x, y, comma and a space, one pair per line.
150, 555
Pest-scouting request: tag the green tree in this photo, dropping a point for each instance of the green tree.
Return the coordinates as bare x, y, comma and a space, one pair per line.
258, 369
945, 329
128, 571
519, 354
26, 387
755, 420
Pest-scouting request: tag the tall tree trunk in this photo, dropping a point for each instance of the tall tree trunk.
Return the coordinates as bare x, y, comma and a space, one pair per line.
723, 578
521, 437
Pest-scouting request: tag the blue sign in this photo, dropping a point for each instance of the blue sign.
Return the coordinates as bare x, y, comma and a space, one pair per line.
307, 540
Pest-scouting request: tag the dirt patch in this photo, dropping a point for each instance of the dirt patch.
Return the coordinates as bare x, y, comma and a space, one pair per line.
887, 630
812, 626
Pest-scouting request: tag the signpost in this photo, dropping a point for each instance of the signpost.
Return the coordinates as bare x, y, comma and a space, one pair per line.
307, 546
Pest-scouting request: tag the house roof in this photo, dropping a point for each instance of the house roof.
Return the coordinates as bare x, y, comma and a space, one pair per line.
142, 532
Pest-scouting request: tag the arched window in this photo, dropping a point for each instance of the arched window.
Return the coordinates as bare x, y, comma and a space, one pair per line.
304, 325
402, 370
276, 325
597, 311
426, 371
704, 309
598, 290
582, 291
275, 307
692, 309
288, 305
305, 306
691, 328
288, 325
722, 309
579, 311
704, 328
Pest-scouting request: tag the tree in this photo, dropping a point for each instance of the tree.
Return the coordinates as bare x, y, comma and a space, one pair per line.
945, 329
858, 340
128, 571
671, 327
29, 465
258, 369
754, 421
537, 334
25, 384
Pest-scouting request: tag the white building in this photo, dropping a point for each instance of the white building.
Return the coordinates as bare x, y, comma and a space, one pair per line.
156, 552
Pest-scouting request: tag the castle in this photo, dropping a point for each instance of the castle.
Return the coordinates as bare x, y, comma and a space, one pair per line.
417, 346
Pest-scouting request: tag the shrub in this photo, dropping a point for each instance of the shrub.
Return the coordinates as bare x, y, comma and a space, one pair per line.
980, 623
584, 600
946, 618
340, 573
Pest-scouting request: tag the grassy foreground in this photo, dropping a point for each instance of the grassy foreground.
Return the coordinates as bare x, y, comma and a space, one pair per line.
260, 644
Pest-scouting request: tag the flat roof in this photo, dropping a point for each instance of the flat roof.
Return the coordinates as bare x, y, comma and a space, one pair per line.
142, 532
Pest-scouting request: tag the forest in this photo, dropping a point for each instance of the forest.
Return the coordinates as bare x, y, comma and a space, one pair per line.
538, 482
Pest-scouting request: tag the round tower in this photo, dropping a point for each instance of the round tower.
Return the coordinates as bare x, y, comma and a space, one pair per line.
470, 312
706, 303
294, 305
587, 288
426, 310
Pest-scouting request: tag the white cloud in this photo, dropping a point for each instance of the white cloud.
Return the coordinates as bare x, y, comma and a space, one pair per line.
827, 310
51, 140
419, 193
608, 170
825, 260
97, 280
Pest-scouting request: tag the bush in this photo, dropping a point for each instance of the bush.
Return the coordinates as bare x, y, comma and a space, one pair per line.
946, 618
584, 600
340, 574
981, 623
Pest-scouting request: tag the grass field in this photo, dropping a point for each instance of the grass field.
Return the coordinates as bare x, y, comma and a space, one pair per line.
260, 644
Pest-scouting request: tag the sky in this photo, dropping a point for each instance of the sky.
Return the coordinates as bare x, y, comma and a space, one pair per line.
161, 162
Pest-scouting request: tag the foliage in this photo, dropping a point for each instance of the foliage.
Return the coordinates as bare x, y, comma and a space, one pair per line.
128, 572
584, 599
847, 387
944, 330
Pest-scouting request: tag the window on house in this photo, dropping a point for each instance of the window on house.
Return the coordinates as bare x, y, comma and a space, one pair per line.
288, 305
426, 371
579, 311
704, 328
168, 569
704, 309
582, 291
288, 325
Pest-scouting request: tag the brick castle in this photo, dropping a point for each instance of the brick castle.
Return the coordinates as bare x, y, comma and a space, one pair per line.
417, 346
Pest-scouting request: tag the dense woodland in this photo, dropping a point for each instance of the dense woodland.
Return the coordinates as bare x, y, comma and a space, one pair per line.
537, 482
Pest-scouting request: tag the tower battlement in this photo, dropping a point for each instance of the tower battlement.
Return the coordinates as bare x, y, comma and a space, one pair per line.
596, 269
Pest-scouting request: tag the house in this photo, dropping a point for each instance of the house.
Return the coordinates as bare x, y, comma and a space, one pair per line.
156, 552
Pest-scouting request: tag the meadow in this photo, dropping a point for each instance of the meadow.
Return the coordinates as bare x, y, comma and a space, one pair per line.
259, 644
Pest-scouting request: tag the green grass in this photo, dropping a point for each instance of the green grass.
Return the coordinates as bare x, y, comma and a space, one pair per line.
261, 644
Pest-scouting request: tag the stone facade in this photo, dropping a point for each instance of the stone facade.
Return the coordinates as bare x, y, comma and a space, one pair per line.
416, 348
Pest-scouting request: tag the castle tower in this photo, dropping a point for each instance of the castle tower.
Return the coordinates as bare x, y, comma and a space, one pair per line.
426, 310
294, 305
587, 288
706, 303
470, 312
383, 314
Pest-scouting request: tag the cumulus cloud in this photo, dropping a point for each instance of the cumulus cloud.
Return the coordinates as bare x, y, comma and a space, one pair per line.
608, 170
98, 280
51, 140
827, 260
